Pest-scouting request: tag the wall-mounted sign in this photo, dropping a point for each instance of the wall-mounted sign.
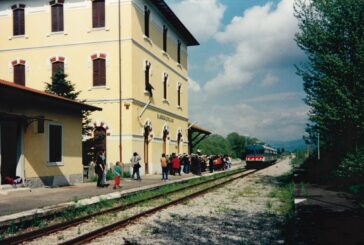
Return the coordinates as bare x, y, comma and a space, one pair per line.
164, 118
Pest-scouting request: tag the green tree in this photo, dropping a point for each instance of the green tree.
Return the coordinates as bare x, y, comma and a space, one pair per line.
331, 33
237, 143
214, 144
63, 87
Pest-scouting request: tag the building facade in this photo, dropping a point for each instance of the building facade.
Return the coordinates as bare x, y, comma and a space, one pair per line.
128, 57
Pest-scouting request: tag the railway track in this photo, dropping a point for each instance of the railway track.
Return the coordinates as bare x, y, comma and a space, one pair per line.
29, 236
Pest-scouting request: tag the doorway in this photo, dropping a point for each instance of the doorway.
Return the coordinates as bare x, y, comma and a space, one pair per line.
147, 130
179, 137
165, 140
100, 140
10, 150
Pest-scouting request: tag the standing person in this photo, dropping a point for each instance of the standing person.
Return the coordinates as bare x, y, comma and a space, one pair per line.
211, 164
186, 164
117, 175
136, 165
104, 167
164, 164
176, 165
170, 165
99, 169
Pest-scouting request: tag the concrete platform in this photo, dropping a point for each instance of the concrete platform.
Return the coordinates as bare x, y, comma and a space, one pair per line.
324, 216
28, 202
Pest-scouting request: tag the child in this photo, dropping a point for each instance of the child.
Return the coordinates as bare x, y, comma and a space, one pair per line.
117, 174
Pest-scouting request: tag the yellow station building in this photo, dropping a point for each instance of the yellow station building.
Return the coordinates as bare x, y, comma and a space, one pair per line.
128, 57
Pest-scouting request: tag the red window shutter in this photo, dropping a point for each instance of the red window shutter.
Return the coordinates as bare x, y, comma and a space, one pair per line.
57, 66
102, 13
98, 13
19, 74
99, 72
18, 22
57, 17
102, 72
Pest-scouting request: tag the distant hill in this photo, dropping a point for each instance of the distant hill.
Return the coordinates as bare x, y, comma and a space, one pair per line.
288, 145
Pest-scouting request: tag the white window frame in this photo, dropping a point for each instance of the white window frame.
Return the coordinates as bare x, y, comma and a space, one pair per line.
61, 163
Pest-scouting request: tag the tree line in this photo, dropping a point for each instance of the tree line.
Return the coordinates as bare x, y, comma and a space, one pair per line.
331, 33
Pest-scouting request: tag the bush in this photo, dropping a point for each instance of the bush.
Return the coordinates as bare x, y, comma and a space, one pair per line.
109, 174
352, 167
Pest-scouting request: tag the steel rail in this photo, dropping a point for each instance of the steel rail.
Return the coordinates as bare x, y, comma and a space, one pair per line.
28, 236
87, 237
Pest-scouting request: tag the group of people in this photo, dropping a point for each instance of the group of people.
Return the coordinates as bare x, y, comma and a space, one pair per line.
101, 171
194, 163
172, 164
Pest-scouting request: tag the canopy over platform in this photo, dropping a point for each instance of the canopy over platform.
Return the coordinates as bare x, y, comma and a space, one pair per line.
195, 135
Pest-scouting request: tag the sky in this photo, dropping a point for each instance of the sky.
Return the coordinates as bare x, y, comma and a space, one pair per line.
242, 75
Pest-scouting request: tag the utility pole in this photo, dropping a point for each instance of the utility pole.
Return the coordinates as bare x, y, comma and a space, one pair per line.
318, 146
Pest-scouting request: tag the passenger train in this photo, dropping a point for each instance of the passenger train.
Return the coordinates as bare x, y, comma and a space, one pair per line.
260, 156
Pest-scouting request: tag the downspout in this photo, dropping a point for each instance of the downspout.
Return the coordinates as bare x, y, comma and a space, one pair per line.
120, 89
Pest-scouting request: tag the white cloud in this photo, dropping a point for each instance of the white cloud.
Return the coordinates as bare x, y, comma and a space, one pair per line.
269, 80
277, 97
267, 124
202, 17
193, 85
263, 39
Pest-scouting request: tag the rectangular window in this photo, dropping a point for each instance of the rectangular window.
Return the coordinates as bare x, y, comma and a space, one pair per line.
98, 13
165, 86
57, 67
146, 20
18, 20
55, 143
179, 52
99, 72
57, 17
19, 74
165, 31
179, 95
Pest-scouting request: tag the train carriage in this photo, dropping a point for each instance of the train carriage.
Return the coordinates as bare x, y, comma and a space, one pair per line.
260, 156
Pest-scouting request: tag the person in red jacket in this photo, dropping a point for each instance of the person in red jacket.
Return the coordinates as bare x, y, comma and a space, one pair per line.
176, 165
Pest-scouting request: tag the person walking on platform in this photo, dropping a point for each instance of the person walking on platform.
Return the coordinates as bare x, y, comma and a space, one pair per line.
117, 175
136, 165
164, 164
99, 169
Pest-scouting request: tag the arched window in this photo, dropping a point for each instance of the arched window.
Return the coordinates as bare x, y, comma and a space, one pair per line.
19, 72
18, 19
179, 94
148, 86
165, 84
100, 139
99, 72
165, 31
146, 21
57, 15
57, 66
98, 13
179, 52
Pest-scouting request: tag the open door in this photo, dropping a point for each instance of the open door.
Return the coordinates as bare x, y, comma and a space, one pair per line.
10, 150
147, 130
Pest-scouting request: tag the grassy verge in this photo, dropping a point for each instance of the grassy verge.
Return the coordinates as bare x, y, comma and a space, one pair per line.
71, 213
283, 192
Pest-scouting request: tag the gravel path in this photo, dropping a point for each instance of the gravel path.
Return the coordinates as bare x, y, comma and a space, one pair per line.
239, 213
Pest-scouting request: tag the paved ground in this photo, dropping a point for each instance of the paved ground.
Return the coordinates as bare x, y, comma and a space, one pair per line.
19, 201
326, 217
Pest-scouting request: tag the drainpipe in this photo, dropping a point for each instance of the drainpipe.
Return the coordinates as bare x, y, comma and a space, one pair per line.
120, 89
